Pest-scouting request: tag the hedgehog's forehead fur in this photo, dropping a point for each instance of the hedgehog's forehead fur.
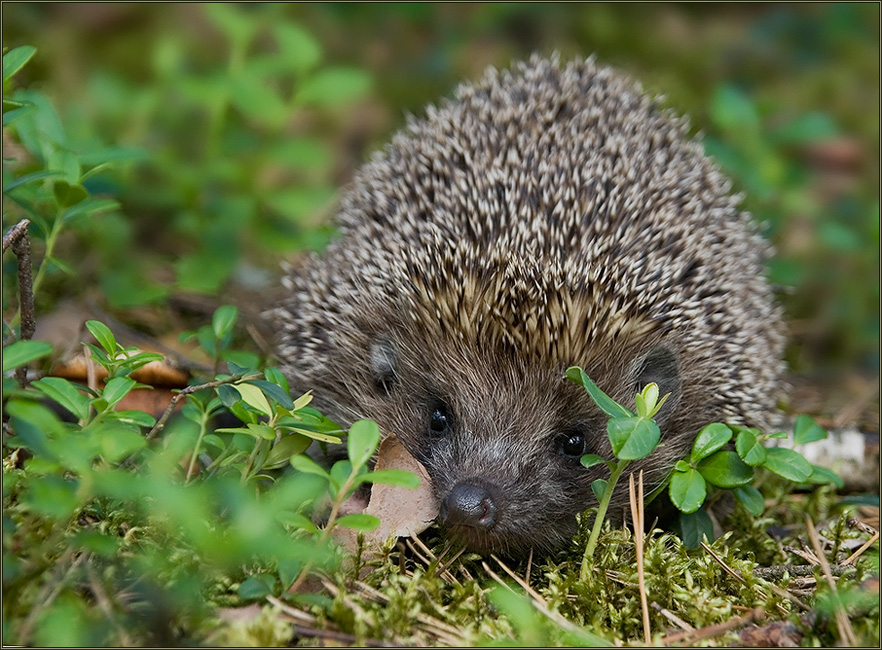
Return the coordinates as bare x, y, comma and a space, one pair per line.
554, 212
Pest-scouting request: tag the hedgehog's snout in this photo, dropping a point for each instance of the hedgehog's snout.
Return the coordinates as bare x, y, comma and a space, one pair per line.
469, 505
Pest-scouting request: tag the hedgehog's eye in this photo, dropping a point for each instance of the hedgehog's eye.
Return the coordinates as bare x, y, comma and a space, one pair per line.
440, 421
572, 444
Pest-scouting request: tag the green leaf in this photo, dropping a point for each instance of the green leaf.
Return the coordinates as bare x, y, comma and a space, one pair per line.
300, 49
364, 436
52, 496
116, 389
305, 464
604, 401
258, 586
733, 110
632, 438
599, 487
750, 448
65, 393
397, 477
334, 86
22, 352
289, 569
822, 475
14, 60
284, 449
274, 392
89, 207
712, 437
237, 25
694, 526
298, 520
749, 497
682, 466
254, 398
28, 178
687, 490
788, 464
67, 195
274, 376
10, 116
118, 442
103, 335
809, 127
223, 319
358, 521
806, 430
647, 400
138, 418
725, 469
261, 430
96, 542
590, 460
259, 101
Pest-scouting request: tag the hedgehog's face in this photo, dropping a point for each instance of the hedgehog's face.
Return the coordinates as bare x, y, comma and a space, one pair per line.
501, 440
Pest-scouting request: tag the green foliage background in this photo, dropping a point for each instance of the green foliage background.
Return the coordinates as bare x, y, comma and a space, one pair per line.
236, 124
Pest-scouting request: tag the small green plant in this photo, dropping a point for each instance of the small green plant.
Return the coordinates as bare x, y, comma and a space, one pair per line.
197, 516
635, 435
632, 435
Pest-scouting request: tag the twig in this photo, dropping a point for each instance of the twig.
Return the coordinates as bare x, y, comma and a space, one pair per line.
188, 391
15, 233
854, 556
737, 575
777, 571
17, 237
846, 633
636, 499
715, 630
673, 618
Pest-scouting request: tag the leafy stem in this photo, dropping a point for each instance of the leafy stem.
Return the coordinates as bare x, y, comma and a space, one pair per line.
616, 470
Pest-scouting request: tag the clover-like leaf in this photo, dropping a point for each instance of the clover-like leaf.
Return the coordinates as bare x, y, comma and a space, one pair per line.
750, 448
710, 439
687, 490
725, 469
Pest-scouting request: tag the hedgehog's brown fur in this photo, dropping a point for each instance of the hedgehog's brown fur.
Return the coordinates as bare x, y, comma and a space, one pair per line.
548, 216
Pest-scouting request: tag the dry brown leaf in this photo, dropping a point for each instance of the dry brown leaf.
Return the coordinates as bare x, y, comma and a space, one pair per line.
403, 512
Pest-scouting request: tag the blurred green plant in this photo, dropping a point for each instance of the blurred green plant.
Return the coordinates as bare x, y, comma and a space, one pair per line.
826, 242
224, 167
97, 498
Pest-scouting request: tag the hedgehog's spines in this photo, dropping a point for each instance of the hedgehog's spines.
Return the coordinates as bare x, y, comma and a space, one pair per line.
554, 212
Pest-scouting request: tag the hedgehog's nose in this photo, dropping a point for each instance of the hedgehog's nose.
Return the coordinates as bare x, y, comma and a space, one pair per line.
469, 505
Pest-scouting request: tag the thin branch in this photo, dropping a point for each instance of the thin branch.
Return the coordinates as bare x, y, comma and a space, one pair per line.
715, 630
189, 390
17, 237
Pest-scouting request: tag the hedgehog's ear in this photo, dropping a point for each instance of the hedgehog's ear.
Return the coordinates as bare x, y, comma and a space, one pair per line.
383, 360
660, 365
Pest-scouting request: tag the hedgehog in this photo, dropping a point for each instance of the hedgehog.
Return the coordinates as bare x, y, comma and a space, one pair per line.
549, 215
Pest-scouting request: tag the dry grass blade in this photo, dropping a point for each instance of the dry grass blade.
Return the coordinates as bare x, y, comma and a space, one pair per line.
636, 497
735, 574
851, 559
538, 601
843, 624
